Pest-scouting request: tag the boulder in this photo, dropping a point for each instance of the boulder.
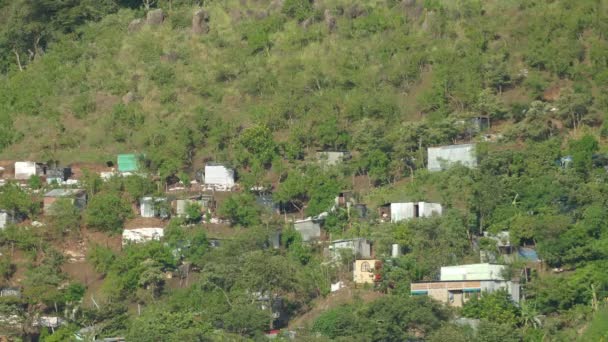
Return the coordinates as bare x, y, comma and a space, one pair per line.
135, 25
155, 17
200, 22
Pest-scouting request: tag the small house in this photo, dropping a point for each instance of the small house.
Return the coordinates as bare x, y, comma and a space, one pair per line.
78, 197
458, 284
360, 247
128, 163
442, 157
153, 207
141, 235
332, 158
404, 211
219, 177
309, 229
365, 271
26, 169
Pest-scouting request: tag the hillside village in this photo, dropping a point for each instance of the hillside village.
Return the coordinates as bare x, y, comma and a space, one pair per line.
295, 170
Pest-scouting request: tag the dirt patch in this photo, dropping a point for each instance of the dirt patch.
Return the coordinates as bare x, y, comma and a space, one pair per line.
78, 169
114, 242
146, 222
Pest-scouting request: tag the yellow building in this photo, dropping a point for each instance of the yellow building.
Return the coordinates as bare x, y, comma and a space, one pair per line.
364, 271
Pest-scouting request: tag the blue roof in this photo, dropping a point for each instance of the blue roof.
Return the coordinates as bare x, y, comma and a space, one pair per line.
528, 254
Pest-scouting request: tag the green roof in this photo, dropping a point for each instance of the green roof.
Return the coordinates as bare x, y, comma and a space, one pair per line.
128, 162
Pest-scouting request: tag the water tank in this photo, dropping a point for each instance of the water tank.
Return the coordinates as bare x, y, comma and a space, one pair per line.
395, 251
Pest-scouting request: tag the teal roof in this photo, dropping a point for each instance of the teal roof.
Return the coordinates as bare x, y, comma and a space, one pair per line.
128, 163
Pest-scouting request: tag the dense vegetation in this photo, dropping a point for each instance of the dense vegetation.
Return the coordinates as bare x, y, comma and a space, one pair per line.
267, 85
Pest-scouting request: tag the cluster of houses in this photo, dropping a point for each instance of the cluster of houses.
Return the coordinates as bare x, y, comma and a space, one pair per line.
455, 286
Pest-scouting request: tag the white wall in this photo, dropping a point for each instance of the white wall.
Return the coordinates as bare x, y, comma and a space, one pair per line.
219, 175
472, 272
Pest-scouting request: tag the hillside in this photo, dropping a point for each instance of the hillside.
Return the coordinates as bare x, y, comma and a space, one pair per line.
261, 87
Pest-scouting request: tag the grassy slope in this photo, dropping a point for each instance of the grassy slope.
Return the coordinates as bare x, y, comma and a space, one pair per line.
217, 72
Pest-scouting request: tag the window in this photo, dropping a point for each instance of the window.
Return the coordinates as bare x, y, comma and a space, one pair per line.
365, 267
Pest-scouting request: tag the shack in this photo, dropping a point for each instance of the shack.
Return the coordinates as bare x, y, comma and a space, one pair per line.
153, 207
78, 198
309, 228
360, 248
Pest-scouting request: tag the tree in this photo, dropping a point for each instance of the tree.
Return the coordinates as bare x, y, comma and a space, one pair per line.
65, 217
17, 202
256, 143
107, 212
157, 321
241, 210
582, 153
193, 213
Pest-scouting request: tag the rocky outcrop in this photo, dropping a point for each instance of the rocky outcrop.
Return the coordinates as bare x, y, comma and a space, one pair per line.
200, 22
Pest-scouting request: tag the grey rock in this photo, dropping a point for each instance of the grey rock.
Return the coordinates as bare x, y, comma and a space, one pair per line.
135, 25
200, 22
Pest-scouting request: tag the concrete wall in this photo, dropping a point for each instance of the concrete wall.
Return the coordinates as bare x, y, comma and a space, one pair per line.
442, 157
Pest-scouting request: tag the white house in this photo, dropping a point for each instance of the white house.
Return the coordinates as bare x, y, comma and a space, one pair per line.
443, 157
140, 235
218, 177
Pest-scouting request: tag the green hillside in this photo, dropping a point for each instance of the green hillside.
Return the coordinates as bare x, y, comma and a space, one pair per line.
261, 86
